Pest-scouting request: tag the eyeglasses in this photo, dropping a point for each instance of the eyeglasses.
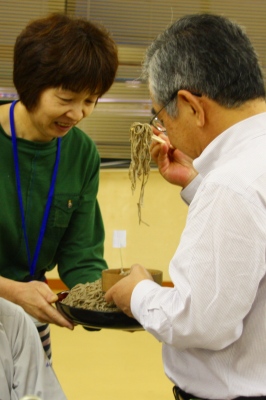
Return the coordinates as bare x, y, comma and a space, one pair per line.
156, 122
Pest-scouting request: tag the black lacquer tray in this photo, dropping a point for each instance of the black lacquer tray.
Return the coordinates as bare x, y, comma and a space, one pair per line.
96, 319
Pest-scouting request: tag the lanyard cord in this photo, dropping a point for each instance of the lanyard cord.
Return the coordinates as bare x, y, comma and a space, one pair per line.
32, 262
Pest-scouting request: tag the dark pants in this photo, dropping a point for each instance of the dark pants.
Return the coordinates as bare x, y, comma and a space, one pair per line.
181, 395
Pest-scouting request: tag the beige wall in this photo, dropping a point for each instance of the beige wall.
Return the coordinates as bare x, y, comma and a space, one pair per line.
164, 211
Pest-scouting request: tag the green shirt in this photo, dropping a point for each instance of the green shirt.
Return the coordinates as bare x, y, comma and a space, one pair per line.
74, 235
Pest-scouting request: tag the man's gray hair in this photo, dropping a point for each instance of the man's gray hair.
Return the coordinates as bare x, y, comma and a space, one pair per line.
206, 54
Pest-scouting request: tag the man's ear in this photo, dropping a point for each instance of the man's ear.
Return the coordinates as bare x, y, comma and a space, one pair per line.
196, 105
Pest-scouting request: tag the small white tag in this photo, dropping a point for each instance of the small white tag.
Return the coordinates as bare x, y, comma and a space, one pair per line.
119, 239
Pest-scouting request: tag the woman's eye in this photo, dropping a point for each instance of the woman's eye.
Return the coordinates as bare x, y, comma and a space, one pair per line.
66, 100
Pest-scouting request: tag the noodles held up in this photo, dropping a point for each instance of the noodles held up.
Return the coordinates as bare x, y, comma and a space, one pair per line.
140, 137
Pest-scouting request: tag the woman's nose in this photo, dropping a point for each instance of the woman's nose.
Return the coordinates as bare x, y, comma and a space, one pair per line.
76, 113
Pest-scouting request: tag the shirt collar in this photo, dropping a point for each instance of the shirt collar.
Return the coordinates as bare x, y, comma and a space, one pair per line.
230, 142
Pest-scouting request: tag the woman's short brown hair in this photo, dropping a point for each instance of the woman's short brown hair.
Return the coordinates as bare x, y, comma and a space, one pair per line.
63, 51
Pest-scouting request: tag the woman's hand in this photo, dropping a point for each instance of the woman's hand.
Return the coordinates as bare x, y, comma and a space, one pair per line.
36, 298
175, 166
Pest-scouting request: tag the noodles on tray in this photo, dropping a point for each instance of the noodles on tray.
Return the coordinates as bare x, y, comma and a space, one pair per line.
140, 137
89, 296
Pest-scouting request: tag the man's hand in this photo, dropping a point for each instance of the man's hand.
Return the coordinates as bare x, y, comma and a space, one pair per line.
121, 292
175, 166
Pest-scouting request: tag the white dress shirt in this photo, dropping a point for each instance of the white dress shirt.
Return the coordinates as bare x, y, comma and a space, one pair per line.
213, 322
24, 367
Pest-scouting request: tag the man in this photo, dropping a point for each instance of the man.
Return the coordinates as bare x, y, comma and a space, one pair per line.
208, 95
24, 367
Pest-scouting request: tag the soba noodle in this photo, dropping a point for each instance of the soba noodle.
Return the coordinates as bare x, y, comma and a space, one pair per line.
140, 137
89, 296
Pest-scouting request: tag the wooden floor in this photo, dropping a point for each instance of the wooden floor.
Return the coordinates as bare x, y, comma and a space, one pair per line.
109, 364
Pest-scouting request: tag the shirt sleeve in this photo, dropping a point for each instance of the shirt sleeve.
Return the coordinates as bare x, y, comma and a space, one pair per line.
188, 193
216, 272
24, 365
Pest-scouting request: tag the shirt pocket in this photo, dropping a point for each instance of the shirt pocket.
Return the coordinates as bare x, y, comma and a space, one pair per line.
62, 209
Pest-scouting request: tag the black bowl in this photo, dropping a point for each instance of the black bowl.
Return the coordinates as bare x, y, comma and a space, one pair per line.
96, 319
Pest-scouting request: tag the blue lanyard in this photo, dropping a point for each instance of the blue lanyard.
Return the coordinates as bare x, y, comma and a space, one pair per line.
32, 261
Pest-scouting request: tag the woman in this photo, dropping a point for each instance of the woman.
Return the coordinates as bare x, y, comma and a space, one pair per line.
49, 214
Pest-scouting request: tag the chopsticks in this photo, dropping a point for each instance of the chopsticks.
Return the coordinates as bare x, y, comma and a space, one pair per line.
157, 138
